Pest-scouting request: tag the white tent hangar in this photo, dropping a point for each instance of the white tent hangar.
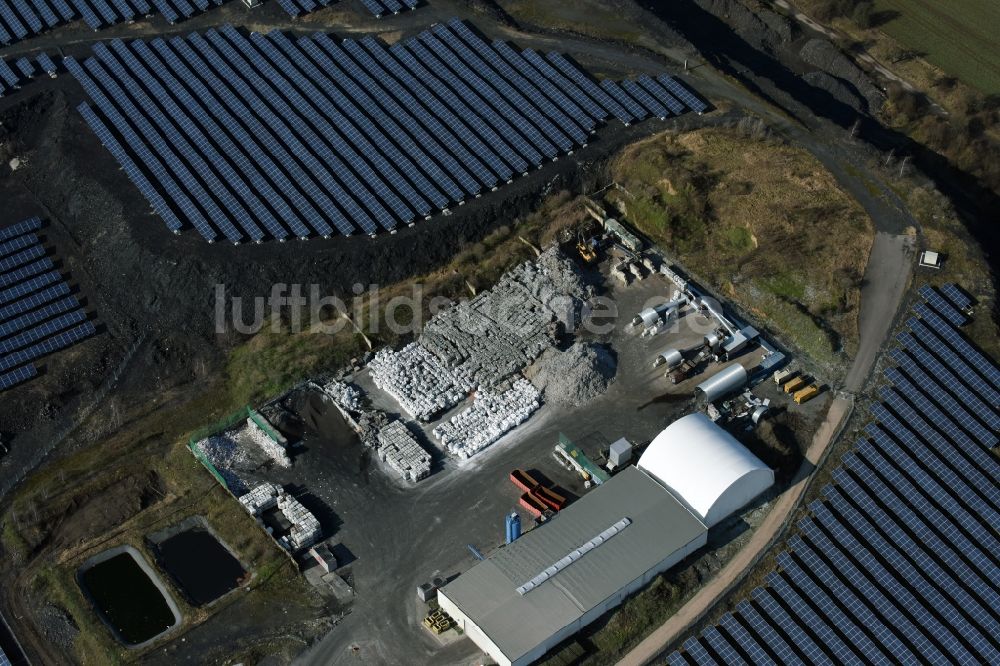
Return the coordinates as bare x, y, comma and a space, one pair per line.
705, 467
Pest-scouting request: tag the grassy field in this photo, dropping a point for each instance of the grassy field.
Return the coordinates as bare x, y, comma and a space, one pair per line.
959, 36
763, 222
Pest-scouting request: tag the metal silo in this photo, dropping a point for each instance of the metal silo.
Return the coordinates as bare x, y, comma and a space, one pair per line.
728, 380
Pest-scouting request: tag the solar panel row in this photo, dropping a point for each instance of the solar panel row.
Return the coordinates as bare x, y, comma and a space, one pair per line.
377, 8
36, 307
20, 19
942, 305
898, 562
272, 136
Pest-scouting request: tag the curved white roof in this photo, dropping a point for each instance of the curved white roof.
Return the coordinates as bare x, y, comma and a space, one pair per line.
705, 467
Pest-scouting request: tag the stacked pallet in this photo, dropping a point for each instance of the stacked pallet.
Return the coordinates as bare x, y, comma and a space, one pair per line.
261, 498
421, 384
493, 414
272, 449
306, 529
398, 448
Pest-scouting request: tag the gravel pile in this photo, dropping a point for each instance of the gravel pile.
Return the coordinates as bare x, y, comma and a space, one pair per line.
575, 376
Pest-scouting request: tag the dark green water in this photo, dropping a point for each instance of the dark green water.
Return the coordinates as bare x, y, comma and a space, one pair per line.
202, 566
128, 599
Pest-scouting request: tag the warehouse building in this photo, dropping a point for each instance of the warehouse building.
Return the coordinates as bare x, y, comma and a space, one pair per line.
705, 467
532, 594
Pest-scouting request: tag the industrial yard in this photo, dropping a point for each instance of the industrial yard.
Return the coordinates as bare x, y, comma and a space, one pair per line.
483, 332
412, 438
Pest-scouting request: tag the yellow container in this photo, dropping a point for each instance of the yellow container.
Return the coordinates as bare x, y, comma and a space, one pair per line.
794, 385
806, 394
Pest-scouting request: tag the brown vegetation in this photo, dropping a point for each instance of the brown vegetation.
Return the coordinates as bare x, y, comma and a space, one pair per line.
762, 221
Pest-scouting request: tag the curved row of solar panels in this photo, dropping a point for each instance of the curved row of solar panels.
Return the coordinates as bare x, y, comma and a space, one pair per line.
20, 19
898, 563
273, 136
38, 314
16, 73
378, 8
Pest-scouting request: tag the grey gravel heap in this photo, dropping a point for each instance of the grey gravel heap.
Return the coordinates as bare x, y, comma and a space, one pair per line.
575, 376
398, 448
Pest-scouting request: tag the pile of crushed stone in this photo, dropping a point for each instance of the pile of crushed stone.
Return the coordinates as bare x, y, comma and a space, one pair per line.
575, 376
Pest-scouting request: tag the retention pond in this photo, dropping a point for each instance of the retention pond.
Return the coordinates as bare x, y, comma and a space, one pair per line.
128, 595
202, 567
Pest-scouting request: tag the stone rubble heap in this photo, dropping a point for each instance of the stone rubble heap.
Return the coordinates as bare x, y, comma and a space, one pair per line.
575, 376
229, 457
271, 448
492, 415
398, 448
347, 396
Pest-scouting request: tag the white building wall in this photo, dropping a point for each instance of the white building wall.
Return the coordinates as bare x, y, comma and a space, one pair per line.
472, 630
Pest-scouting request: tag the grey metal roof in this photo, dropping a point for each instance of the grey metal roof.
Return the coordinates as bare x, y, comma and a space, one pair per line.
660, 525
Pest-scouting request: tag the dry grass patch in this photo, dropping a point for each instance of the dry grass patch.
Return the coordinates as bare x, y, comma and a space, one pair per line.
763, 222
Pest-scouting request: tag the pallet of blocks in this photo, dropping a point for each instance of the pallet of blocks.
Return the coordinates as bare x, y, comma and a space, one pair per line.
398, 448
492, 415
306, 529
261, 498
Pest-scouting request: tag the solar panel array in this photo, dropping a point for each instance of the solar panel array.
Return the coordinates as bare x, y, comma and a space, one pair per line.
38, 315
898, 562
20, 19
14, 75
272, 136
378, 8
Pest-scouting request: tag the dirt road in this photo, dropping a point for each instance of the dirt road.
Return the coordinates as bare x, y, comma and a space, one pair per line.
885, 282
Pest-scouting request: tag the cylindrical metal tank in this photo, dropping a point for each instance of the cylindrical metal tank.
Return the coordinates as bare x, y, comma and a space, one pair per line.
649, 316
671, 358
758, 413
728, 380
513, 527
713, 340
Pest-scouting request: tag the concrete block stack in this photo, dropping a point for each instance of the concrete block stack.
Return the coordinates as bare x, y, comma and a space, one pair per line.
306, 529
272, 449
421, 384
261, 498
347, 396
492, 415
485, 342
398, 448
